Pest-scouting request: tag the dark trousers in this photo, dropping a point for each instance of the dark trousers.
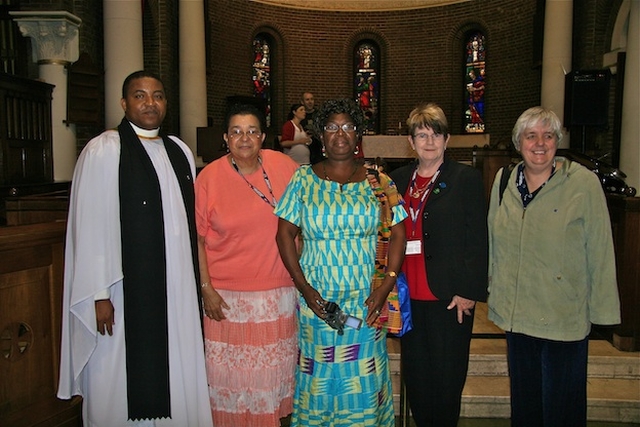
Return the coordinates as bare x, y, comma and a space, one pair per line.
435, 357
548, 381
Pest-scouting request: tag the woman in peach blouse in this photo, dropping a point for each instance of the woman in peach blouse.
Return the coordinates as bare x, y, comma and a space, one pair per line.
248, 295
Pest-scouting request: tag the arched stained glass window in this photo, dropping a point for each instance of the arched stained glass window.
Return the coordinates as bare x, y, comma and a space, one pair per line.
366, 83
262, 72
475, 54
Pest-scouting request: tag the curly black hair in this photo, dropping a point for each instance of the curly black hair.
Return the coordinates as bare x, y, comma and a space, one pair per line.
338, 106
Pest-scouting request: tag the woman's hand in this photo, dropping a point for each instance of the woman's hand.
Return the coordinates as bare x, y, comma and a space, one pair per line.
305, 140
463, 305
314, 301
375, 303
213, 304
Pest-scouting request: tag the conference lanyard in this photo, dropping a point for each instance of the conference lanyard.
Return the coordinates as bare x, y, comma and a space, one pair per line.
415, 213
271, 202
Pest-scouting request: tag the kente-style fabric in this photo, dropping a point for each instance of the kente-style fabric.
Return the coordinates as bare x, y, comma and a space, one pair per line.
341, 380
388, 196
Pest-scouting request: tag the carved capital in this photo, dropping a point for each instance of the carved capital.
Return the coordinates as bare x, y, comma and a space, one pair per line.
54, 35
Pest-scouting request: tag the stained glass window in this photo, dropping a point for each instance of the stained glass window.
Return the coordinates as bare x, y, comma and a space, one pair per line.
475, 53
366, 83
262, 73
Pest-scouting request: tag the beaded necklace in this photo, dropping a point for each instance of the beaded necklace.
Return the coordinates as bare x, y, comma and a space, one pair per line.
326, 176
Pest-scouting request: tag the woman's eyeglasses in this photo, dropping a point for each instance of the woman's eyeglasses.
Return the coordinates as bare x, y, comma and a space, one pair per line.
424, 137
333, 128
237, 134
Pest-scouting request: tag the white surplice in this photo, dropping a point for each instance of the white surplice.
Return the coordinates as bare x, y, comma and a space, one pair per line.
93, 365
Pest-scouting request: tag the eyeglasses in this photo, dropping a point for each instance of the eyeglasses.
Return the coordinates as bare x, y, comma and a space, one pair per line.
333, 128
251, 133
425, 137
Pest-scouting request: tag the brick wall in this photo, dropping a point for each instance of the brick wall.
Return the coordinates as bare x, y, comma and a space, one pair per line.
421, 53
422, 57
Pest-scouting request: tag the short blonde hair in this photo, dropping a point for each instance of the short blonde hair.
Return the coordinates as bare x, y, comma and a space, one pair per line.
532, 117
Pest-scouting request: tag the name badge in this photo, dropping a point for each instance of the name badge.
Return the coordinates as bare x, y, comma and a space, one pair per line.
414, 247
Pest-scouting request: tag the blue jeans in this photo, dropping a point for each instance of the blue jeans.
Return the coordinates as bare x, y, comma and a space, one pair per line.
548, 381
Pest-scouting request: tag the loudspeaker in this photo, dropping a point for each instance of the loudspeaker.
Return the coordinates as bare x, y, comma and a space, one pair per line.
586, 98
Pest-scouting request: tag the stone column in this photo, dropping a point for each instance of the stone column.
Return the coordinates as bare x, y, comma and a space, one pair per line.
54, 42
123, 52
556, 56
630, 128
193, 79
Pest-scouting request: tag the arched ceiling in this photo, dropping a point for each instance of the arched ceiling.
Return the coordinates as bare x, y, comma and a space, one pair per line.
359, 5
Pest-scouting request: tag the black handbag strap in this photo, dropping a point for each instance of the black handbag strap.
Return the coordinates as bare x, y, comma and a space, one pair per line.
504, 179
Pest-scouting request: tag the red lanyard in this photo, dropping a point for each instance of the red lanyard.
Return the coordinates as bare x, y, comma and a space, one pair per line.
415, 213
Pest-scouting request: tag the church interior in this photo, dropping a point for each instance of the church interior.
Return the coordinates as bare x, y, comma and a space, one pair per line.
483, 61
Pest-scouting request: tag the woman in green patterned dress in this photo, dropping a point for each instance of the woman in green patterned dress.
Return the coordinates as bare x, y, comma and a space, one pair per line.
342, 377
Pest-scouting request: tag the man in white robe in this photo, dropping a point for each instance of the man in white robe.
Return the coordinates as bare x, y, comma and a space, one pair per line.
94, 360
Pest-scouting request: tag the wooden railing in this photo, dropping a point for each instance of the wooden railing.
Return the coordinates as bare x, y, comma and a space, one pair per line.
625, 220
473, 150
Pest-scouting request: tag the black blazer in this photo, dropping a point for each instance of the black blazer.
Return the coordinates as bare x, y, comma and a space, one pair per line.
454, 231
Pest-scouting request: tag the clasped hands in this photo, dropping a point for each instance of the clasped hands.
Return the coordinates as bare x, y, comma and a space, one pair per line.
375, 302
306, 140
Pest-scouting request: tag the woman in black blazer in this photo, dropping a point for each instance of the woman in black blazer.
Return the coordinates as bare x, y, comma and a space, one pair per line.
446, 266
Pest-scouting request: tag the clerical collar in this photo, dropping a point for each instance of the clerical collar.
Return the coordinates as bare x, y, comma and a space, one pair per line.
145, 133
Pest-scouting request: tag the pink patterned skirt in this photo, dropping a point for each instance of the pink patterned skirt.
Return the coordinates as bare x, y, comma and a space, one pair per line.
251, 358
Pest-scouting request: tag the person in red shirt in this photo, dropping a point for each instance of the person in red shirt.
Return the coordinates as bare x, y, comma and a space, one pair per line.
446, 268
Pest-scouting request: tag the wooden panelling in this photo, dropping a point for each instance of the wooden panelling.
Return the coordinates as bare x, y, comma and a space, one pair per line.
25, 131
37, 208
397, 146
469, 149
31, 271
625, 220
489, 163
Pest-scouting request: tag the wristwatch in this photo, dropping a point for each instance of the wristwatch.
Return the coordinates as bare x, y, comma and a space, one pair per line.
392, 274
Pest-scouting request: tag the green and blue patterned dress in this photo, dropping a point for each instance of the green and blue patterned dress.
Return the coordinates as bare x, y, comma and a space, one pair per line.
340, 380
